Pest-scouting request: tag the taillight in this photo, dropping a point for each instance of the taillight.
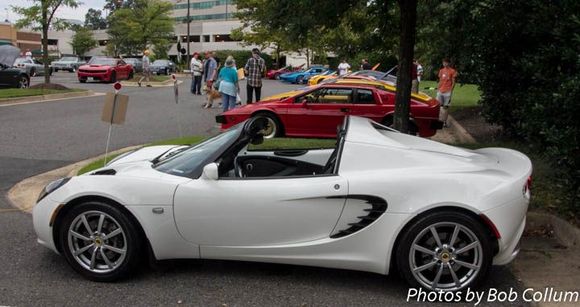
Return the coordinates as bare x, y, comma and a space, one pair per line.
527, 190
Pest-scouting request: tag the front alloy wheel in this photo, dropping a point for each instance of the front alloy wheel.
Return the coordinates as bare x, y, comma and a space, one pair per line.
99, 241
447, 251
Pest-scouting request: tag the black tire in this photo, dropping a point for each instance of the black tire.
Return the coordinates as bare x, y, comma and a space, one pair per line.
23, 81
277, 76
403, 256
278, 128
113, 77
56, 70
299, 79
131, 236
166, 71
33, 72
131, 75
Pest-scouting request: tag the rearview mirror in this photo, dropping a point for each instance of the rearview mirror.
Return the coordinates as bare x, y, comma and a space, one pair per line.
210, 172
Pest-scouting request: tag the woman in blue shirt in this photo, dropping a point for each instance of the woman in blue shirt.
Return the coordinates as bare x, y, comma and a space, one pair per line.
229, 86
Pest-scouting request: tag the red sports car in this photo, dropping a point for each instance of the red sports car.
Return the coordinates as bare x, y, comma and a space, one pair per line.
105, 69
275, 73
317, 111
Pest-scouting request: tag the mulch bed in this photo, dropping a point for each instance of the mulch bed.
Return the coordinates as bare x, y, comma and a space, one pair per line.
472, 120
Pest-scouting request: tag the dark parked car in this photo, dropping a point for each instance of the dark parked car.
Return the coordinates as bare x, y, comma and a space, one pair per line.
9, 76
136, 63
163, 67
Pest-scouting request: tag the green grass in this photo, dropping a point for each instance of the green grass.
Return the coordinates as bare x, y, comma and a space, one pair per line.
25, 92
152, 78
269, 144
464, 95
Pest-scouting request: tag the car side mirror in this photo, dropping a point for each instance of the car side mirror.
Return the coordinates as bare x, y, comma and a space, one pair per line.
210, 172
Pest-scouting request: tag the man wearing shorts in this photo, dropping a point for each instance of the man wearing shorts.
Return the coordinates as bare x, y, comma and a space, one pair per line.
146, 69
447, 77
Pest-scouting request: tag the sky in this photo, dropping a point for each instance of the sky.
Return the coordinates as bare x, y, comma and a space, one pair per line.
63, 12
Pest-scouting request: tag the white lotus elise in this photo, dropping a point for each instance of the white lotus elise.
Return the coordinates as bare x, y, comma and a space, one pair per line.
381, 200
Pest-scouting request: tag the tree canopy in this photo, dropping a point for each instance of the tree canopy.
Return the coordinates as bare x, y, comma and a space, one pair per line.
94, 20
83, 41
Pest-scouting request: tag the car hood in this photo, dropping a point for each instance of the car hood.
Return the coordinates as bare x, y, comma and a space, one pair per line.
95, 66
147, 154
8, 55
282, 95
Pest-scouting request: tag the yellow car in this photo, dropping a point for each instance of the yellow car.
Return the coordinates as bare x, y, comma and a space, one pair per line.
314, 80
379, 84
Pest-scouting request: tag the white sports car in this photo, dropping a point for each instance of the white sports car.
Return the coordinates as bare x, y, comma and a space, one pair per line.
381, 200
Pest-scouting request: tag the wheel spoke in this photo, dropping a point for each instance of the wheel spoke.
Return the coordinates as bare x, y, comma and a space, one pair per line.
84, 249
436, 236
467, 247
115, 249
79, 236
467, 265
113, 233
100, 225
86, 223
454, 235
423, 249
107, 261
425, 266
453, 275
437, 277
94, 259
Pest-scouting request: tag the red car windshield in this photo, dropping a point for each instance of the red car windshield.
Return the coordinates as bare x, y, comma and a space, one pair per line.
103, 61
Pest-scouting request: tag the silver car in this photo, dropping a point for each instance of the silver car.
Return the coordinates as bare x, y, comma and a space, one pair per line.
136, 63
31, 66
70, 63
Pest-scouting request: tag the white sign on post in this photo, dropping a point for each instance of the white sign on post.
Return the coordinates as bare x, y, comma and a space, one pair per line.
114, 112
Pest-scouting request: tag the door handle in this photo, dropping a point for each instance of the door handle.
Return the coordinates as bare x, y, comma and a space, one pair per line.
344, 110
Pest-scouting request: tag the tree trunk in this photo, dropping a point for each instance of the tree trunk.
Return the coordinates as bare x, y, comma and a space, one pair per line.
45, 23
408, 21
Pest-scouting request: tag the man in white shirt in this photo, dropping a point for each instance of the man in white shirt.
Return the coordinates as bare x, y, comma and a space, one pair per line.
196, 67
146, 69
343, 68
28, 54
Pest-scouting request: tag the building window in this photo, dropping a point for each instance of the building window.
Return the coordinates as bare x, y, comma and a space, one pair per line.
205, 17
206, 38
202, 5
53, 42
223, 38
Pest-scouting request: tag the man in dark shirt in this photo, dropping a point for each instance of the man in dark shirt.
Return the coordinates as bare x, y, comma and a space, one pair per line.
254, 69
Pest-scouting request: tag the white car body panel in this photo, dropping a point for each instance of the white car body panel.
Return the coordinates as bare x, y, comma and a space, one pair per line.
291, 219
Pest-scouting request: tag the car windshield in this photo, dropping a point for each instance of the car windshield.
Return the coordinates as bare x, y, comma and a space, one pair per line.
69, 59
191, 159
160, 62
103, 61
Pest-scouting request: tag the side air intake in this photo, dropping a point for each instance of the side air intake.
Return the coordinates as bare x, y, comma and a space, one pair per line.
359, 212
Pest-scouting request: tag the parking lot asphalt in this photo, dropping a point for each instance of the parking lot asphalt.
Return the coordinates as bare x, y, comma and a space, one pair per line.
35, 138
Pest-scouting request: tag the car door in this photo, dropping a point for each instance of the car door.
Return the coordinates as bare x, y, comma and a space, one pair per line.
38, 66
367, 103
319, 112
122, 70
259, 212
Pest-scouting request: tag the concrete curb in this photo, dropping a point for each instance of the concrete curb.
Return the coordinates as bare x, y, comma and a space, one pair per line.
462, 135
40, 98
23, 195
165, 83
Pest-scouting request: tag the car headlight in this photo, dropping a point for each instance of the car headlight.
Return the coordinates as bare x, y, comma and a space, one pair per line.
51, 187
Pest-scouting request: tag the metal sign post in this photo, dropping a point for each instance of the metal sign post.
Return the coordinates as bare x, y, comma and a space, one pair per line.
176, 94
114, 113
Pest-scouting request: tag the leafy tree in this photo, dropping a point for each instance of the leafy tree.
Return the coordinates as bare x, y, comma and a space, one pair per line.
113, 5
94, 20
147, 24
83, 41
40, 16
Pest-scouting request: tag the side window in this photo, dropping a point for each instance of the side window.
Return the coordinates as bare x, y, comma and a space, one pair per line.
329, 96
364, 97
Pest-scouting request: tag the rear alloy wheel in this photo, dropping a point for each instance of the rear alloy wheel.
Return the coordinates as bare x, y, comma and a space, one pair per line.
446, 251
274, 127
99, 241
277, 76
23, 82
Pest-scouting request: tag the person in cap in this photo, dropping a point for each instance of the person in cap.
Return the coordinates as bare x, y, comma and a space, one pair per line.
228, 86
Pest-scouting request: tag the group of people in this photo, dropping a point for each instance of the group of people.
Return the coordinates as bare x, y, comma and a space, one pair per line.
224, 81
